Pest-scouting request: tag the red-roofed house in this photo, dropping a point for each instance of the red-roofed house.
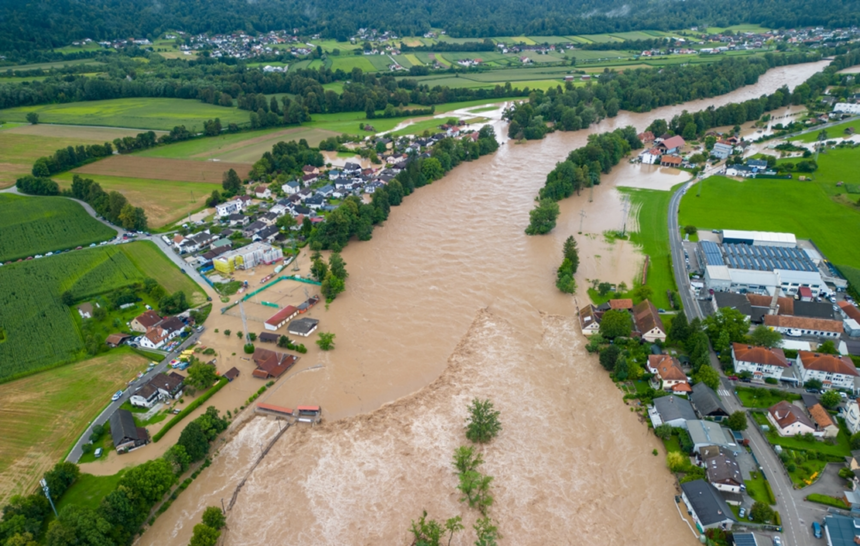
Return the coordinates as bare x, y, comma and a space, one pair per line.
625, 304
648, 322
145, 321
761, 362
281, 317
834, 372
789, 420
271, 364
672, 145
668, 375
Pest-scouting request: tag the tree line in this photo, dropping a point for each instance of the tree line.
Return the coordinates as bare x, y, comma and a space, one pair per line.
56, 23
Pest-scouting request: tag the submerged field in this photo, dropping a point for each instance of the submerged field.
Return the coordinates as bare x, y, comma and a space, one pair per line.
35, 225
39, 330
164, 202
45, 413
142, 113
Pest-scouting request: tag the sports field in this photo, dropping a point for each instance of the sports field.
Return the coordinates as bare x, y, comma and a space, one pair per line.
36, 225
245, 147
164, 202
45, 413
139, 113
158, 168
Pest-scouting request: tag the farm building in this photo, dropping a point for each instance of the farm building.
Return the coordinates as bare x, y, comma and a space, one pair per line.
271, 364
145, 321
266, 337
115, 340
281, 317
126, 435
303, 326
232, 374
247, 257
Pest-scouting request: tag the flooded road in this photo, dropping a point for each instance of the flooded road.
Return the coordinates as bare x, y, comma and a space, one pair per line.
448, 301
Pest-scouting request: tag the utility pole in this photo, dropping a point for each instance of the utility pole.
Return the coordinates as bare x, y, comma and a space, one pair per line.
625, 209
581, 218
47, 492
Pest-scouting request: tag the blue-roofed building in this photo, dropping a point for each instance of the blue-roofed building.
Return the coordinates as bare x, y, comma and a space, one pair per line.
746, 539
841, 530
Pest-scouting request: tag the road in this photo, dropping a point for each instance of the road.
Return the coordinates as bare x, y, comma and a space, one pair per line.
797, 515
76, 452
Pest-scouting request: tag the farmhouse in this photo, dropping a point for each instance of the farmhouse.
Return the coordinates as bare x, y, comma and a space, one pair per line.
126, 435
789, 420
706, 505
834, 372
588, 320
724, 473
668, 375
145, 321
303, 326
671, 145
761, 362
247, 257
648, 322
271, 364
281, 317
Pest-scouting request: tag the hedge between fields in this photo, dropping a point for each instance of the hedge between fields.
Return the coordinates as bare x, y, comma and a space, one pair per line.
191, 407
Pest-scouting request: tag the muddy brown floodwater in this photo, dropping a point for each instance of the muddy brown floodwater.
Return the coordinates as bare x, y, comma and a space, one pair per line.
451, 300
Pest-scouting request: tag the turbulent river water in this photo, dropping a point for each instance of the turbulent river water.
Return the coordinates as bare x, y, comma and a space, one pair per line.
449, 301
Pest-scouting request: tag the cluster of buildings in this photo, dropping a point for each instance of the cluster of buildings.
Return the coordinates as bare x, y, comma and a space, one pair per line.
751, 168
157, 332
646, 318
664, 150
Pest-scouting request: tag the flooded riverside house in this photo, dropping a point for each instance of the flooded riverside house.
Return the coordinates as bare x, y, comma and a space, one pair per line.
451, 301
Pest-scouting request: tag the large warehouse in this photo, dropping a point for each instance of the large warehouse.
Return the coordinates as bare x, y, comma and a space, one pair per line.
758, 262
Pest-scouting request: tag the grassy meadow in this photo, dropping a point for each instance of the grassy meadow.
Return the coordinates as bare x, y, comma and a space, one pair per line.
653, 238
45, 413
141, 113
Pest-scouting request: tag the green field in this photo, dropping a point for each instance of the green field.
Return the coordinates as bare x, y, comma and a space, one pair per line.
653, 238
35, 225
45, 413
837, 131
142, 113
40, 331
347, 63
89, 491
165, 202
811, 210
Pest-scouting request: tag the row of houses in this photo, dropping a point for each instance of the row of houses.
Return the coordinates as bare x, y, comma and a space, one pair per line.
156, 331
646, 319
834, 371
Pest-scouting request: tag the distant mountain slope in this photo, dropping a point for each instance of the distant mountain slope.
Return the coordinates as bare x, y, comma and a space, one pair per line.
31, 24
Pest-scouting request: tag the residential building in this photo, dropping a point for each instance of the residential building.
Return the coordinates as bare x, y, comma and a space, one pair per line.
125, 434
806, 326
648, 322
231, 374
668, 375
671, 145
291, 188
722, 150
789, 420
834, 372
252, 228
761, 362
672, 410
825, 427
588, 320
145, 397
280, 318
707, 404
708, 433
247, 257
650, 157
238, 219
707, 507
262, 192
85, 310
271, 364
169, 385
229, 207
303, 326
145, 321
724, 473
852, 416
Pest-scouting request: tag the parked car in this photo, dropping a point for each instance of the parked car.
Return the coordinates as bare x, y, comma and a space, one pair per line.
812, 391
777, 541
816, 529
742, 512
792, 332
733, 378
116, 396
98, 452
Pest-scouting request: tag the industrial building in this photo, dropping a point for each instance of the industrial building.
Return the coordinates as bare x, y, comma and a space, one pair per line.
759, 262
247, 257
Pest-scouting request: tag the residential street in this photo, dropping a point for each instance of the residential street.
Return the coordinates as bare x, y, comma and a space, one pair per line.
103, 417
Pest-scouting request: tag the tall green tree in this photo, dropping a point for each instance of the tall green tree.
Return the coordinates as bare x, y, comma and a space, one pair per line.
616, 323
231, 182
571, 253
483, 423
762, 336
542, 218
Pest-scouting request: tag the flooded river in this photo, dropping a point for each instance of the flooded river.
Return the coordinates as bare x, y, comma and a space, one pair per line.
448, 301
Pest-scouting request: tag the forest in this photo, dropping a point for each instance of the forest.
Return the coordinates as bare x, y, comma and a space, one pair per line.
30, 25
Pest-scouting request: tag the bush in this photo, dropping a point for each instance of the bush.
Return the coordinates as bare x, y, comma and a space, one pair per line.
483, 424
770, 380
827, 500
191, 407
770, 495
249, 348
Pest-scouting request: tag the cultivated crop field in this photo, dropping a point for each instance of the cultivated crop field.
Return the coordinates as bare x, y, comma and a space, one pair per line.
164, 201
178, 170
141, 113
45, 413
35, 225
39, 330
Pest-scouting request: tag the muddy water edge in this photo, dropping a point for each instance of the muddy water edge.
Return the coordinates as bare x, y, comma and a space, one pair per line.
451, 300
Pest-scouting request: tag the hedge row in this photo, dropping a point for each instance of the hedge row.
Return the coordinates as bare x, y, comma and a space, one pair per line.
827, 500
191, 407
770, 496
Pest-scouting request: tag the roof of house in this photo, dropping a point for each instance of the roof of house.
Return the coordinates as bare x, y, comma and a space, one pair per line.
820, 416
272, 363
724, 469
646, 317
706, 401
786, 305
282, 315
673, 142
116, 339
232, 373
172, 324
821, 325
672, 159
850, 310
672, 407
588, 316
841, 530
827, 363
785, 413
122, 427
706, 502
303, 325
148, 319
667, 367
760, 355
156, 335
146, 391
86, 307
268, 337
733, 300
621, 304
708, 433
814, 309
168, 382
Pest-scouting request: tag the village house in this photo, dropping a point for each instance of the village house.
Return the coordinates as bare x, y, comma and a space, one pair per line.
708, 433
650, 156
144, 321
648, 322
125, 434
834, 372
824, 425
673, 411
724, 473
158, 335
169, 385
271, 364
145, 397
588, 320
761, 362
668, 375
291, 188
789, 420
722, 149
262, 192
707, 506
707, 404
671, 145
229, 207
670, 161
